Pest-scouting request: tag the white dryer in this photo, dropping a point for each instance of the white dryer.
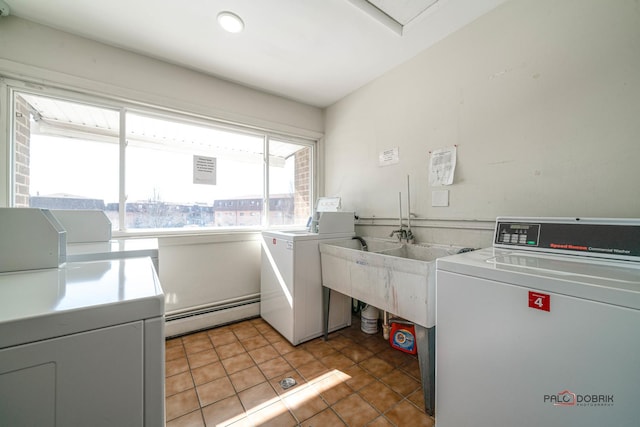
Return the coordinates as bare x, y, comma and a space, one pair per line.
82, 345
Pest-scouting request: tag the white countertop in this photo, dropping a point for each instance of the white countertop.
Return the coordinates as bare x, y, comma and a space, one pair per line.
113, 249
80, 296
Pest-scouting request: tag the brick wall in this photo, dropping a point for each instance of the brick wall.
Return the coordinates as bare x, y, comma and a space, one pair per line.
22, 141
302, 203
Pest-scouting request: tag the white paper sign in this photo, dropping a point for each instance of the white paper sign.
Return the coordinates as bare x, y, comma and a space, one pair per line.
204, 170
442, 165
328, 204
389, 157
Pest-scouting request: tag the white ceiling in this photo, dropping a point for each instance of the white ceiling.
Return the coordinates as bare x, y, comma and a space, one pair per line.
312, 51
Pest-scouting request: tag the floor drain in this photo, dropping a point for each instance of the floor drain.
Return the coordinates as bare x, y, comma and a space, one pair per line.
287, 383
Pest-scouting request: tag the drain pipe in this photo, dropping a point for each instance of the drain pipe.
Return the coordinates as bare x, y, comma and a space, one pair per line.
363, 244
385, 325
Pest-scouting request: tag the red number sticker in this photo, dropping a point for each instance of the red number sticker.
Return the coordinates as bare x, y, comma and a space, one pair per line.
540, 301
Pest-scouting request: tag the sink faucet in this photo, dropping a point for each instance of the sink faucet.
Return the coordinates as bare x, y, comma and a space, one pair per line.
402, 234
409, 238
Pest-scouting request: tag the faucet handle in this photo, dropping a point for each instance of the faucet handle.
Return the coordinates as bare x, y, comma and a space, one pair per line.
410, 238
402, 234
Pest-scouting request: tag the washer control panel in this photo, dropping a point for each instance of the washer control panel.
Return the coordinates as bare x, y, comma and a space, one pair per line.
518, 234
604, 238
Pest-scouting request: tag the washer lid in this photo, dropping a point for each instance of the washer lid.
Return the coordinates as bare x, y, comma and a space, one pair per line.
81, 296
609, 281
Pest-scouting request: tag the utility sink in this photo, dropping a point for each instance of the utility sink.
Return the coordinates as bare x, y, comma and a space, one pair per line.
396, 277
419, 252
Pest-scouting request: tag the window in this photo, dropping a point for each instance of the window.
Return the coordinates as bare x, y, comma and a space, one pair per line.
160, 170
289, 183
160, 173
65, 155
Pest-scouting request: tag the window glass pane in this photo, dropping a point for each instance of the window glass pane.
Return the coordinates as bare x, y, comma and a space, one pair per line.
190, 175
289, 183
179, 173
65, 154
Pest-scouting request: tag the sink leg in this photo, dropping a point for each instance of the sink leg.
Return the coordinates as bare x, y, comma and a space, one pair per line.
326, 300
426, 341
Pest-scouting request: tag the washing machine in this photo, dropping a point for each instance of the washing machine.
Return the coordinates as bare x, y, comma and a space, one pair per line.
543, 328
291, 283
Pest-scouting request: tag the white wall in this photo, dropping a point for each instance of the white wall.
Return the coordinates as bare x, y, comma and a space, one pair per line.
232, 273
542, 99
216, 276
51, 56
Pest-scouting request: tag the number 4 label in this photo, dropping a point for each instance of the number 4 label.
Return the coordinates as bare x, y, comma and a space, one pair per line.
540, 301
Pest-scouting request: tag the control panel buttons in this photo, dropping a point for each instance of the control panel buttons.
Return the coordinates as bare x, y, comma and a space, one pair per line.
518, 234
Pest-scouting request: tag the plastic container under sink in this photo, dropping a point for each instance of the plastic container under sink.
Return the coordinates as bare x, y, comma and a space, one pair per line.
369, 320
403, 337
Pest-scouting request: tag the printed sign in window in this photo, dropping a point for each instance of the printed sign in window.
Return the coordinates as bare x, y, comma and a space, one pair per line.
204, 170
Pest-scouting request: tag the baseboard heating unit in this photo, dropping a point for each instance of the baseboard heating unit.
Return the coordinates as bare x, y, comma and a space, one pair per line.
194, 319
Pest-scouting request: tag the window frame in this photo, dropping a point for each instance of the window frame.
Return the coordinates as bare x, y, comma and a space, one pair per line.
9, 87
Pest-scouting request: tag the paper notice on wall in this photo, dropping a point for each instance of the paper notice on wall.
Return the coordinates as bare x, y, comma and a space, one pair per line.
442, 165
389, 157
204, 170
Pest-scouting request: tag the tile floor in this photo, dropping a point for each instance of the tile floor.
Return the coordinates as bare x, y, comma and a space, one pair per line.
230, 376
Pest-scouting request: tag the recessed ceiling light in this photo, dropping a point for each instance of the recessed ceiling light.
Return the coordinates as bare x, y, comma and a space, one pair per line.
230, 22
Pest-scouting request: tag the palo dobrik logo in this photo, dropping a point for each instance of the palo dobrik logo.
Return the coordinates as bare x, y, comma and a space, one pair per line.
569, 398
565, 398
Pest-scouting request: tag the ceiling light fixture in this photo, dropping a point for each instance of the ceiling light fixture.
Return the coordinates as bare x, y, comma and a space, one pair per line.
230, 22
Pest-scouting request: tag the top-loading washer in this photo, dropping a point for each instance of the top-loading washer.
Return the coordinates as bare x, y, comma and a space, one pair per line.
543, 328
290, 280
